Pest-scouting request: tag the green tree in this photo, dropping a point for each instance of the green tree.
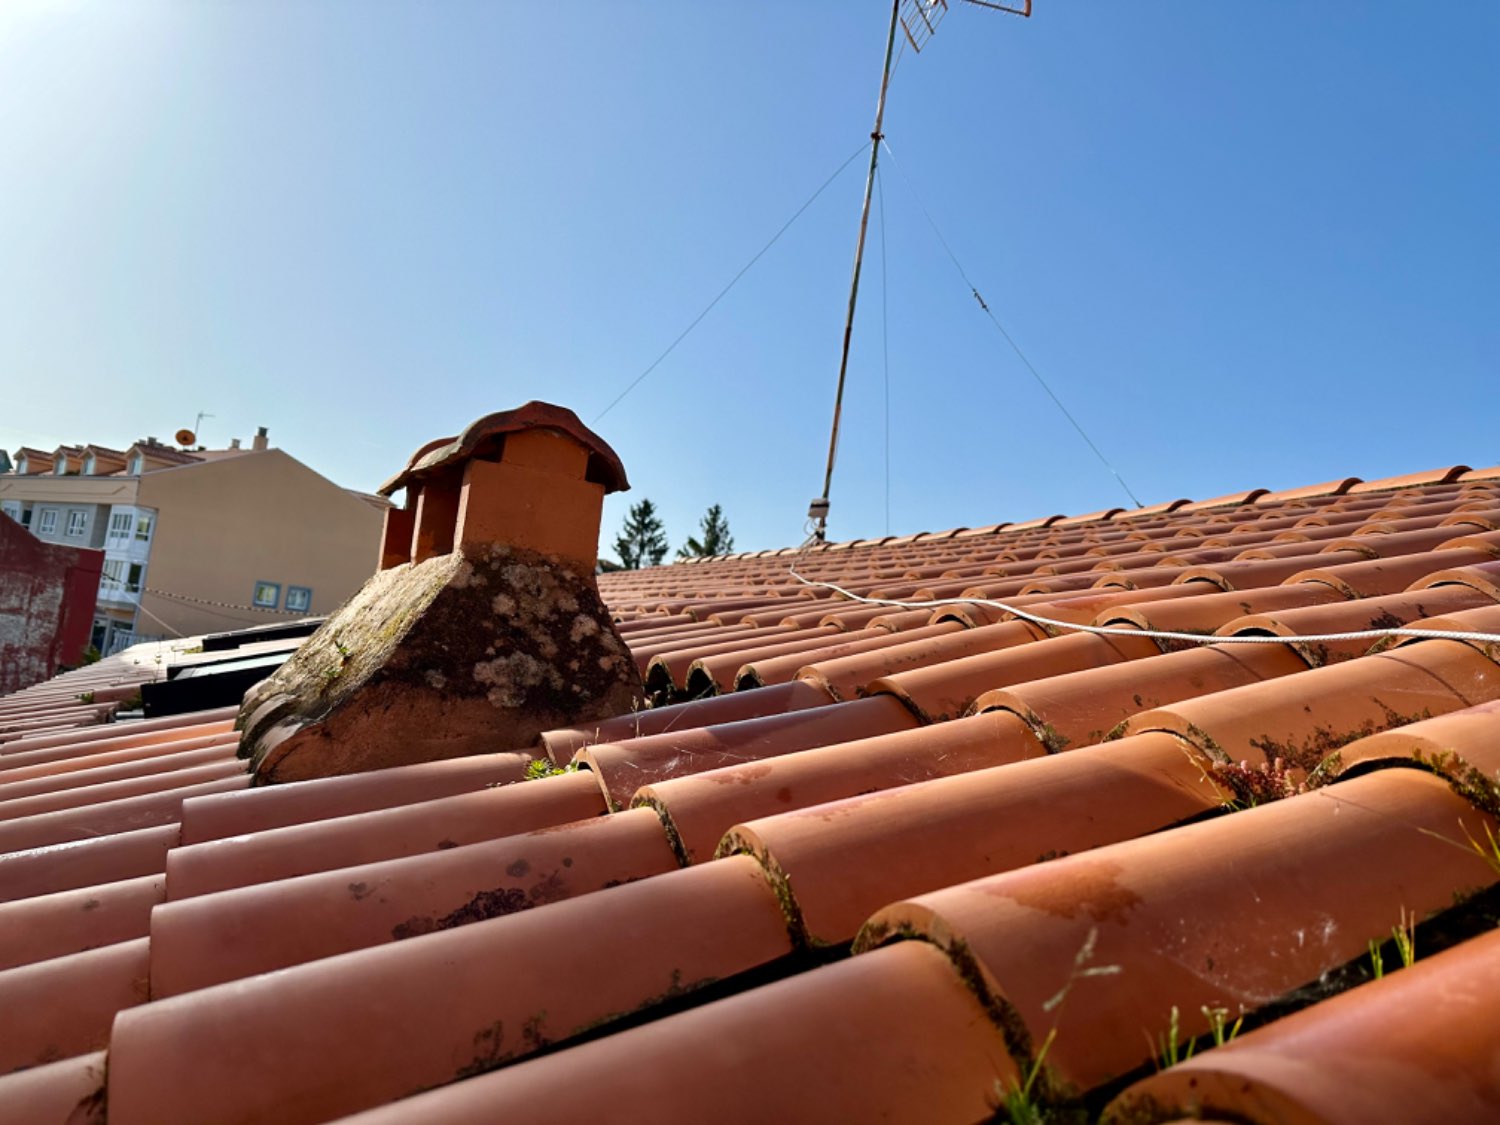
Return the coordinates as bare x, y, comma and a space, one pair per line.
716, 538
643, 539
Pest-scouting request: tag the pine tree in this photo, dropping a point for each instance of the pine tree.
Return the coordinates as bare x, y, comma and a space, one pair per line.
716, 538
642, 541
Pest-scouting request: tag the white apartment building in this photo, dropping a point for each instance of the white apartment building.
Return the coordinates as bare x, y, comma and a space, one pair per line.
197, 541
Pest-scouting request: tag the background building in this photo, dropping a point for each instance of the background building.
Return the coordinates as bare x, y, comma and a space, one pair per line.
199, 540
46, 606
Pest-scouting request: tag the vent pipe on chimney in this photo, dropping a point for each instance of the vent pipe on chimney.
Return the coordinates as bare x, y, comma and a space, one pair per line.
260, 443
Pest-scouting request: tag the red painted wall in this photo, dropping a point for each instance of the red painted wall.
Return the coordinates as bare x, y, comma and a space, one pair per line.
47, 595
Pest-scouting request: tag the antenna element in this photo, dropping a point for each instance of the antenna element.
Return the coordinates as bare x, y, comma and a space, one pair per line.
919, 20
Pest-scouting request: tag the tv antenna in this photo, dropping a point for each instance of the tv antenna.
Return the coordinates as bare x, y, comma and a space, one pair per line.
197, 431
918, 20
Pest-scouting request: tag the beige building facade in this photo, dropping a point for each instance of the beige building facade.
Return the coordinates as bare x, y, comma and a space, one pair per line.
198, 541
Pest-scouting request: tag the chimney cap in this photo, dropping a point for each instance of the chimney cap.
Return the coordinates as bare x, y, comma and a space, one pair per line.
604, 465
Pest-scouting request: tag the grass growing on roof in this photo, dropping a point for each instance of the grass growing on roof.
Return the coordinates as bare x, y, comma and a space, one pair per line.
538, 768
1403, 934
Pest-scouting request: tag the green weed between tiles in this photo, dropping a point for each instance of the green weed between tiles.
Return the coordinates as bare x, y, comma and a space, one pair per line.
1016, 1104
1489, 851
1040, 1097
538, 768
1403, 934
1470, 783
1171, 1048
1219, 1026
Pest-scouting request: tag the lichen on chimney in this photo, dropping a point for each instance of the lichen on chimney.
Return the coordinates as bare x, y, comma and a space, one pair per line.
475, 650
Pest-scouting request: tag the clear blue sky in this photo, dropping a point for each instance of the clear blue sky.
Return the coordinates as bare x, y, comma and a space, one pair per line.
1249, 244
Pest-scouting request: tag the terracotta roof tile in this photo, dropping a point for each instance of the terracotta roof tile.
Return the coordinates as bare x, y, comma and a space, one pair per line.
1086, 707
85, 863
65, 1006
1405, 608
1388, 1048
46, 926
464, 999
699, 809
820, 1046
1307, 492
1023, 932
949, 689
1232, 499
1304, 718
996, 813
837, 864
212, 938
624, 767
1412, 480
56, 1091
412, 829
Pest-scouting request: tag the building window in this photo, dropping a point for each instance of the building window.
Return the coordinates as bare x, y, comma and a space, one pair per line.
143, 528
267, 594
60, 467
113, 575
22, 463
133, 579
26, 516
119, 526
137, 462
47, 525
77, 521
298, 599
89, 465
11, 509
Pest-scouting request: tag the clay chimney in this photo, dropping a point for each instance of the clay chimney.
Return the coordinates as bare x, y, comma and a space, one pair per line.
260, 443
482, 626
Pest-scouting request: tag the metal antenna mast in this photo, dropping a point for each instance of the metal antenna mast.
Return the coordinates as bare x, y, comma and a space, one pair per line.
918, 19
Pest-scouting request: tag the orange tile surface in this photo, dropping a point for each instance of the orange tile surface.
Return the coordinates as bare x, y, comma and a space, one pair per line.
856, 860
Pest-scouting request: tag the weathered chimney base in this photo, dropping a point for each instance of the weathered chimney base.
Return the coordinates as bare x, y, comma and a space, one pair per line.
469, 652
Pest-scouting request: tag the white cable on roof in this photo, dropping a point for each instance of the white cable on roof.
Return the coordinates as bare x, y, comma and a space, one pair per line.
1162, 634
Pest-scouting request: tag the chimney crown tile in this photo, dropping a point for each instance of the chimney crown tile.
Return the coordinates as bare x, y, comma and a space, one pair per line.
603, 465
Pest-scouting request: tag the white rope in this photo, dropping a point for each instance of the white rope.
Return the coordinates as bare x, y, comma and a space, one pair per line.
1161, 634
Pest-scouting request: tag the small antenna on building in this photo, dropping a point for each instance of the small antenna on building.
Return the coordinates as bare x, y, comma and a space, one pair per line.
919, 20
198, 425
